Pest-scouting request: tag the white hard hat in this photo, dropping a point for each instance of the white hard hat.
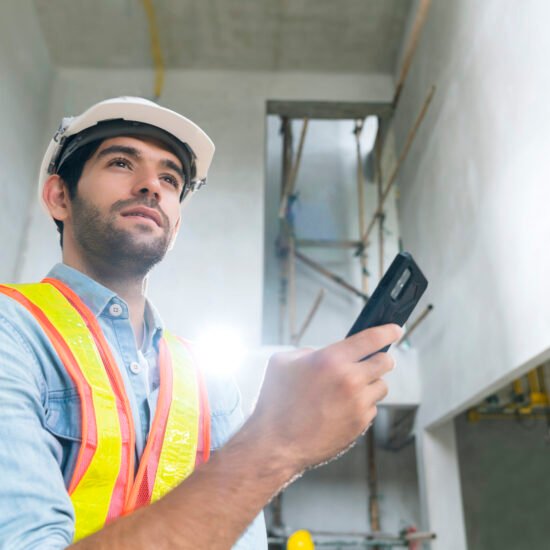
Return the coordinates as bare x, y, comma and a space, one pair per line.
132, 116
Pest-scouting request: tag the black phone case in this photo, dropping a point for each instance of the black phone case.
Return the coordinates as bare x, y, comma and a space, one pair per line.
382, 308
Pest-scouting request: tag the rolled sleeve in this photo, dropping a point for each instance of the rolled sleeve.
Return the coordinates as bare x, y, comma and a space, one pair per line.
35, 507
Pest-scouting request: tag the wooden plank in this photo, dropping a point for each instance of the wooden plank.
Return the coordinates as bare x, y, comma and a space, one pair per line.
327, 243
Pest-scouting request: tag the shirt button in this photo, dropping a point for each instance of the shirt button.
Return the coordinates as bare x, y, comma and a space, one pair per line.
115, 310
135, 367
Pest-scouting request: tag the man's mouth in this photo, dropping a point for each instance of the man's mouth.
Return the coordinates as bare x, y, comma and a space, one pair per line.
143, 212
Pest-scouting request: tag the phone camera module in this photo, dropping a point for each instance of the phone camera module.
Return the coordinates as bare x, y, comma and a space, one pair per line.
400, 285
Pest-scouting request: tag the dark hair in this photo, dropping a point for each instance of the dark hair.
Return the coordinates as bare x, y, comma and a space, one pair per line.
70, 173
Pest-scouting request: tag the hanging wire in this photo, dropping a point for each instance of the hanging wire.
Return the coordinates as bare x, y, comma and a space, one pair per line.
156, 51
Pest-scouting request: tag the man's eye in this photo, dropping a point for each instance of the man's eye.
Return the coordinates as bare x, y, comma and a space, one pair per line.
171, 180
120, 163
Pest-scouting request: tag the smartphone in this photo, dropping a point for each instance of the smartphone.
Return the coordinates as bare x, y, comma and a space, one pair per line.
395, 297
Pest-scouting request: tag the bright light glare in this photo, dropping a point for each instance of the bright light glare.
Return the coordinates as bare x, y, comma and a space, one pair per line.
220, 350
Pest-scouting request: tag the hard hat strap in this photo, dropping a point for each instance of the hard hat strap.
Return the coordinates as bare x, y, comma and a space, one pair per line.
119, 127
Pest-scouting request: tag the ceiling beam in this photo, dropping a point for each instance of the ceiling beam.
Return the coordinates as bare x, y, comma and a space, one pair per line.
329, 109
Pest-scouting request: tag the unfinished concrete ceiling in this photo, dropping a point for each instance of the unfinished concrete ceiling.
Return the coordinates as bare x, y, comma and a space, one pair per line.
355, 36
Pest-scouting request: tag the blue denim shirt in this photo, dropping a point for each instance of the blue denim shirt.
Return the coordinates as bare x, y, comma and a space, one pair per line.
40, 415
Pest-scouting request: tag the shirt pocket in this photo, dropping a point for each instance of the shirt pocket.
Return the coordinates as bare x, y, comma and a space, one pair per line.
225, 410
63, 417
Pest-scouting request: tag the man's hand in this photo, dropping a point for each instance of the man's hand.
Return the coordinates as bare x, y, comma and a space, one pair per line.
314, 404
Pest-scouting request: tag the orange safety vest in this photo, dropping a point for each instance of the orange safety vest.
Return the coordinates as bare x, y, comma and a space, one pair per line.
103, 486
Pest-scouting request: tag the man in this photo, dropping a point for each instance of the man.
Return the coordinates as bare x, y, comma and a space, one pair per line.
106, 423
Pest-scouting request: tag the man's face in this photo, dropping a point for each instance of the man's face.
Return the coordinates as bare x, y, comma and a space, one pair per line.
126, 210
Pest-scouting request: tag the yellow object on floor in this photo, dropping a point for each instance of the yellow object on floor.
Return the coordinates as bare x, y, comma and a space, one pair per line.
300, 540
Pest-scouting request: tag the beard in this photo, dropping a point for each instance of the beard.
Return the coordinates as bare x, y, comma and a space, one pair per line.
98, 235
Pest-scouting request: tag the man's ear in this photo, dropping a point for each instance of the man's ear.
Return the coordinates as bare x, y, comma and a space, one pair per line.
56, 197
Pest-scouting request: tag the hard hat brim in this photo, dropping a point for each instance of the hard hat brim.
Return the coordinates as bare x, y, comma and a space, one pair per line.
134, 109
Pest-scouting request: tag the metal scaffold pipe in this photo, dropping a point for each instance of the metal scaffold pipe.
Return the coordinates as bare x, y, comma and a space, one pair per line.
333, 277
391, 180
419, 20
290, 182
297, 338
415, 323
282, 242
361, 204
291, 287
379, 183
372, 479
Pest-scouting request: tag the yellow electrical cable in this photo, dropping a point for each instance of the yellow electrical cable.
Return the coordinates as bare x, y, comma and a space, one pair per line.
156, 51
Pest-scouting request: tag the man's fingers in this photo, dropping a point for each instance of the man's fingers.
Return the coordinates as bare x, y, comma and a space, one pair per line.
362, 344
376, 367
373, 394
377, 391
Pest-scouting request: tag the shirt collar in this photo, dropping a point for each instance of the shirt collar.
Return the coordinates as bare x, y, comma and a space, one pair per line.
97, 297
153, 326
94, 295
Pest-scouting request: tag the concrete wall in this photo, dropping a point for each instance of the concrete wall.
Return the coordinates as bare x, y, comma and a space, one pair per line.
26, 75
473, 210
505, 483
474, 196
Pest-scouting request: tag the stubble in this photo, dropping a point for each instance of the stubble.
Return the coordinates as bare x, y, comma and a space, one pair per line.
101, 239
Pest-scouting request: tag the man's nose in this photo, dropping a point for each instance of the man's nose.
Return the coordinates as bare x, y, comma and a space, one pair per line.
147, 183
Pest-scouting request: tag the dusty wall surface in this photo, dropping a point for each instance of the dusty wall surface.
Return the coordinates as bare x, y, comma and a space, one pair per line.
474, 196
505, 485
26, 75
473, 211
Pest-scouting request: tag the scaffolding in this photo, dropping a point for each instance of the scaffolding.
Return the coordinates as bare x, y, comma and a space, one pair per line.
290, 247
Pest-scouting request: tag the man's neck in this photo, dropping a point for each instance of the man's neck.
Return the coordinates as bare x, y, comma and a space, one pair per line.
130, 288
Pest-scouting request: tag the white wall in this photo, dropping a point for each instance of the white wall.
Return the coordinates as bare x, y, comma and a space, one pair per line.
474, 196
473, 201
26, 75
215, 273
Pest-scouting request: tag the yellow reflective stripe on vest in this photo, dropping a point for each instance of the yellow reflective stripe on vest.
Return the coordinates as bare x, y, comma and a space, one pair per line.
170, 453
179, 449
92, 495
